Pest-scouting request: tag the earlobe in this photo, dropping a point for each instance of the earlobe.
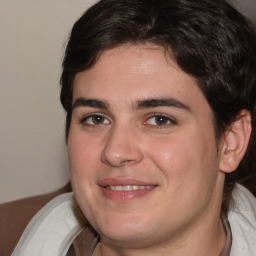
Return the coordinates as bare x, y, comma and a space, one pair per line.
235, 142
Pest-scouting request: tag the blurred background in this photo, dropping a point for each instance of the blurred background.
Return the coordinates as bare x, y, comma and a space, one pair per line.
33, 154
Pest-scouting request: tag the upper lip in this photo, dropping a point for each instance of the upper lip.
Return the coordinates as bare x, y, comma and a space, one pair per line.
123, 182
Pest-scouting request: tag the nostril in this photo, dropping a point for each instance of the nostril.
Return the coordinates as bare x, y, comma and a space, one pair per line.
128, 162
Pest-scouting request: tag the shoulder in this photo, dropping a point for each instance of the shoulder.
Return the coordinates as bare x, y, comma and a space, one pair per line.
55, 225
242, 218
15, 216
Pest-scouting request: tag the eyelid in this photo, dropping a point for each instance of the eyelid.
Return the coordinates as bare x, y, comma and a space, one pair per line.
90, 115
172, 120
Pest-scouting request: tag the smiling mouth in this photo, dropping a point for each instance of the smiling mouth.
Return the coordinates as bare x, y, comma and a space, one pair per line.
123, 193
128, 188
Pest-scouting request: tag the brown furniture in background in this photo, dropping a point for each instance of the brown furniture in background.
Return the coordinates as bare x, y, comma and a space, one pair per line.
14, 217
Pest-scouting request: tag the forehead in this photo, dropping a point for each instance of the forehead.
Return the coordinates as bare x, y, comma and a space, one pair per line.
134, 72
145, 59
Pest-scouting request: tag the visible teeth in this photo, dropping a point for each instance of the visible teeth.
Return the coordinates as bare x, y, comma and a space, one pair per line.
117, 188
128, 187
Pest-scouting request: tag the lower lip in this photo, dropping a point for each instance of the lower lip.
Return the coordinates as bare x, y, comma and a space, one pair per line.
123, 196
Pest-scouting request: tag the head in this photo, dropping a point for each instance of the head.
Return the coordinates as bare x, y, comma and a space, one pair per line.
208, 40
200, 53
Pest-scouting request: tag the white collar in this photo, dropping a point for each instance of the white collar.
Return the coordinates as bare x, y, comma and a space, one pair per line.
52, 230
242, 219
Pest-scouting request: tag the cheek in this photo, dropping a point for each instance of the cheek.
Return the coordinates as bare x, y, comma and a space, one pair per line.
83, 154
184, 159
189, 170
83, 161
171, 156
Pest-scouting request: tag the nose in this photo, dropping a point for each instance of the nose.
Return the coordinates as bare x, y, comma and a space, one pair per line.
121, 148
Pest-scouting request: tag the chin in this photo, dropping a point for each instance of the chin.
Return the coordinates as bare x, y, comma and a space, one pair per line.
123, 231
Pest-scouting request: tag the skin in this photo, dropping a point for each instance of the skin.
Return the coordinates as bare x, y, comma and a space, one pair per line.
122, 142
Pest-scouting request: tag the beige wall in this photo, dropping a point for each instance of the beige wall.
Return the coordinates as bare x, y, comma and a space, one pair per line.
247, 7
33, 157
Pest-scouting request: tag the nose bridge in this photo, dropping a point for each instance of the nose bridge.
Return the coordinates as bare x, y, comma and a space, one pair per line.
121, 146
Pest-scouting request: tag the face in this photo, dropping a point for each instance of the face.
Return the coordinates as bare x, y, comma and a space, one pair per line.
143, 154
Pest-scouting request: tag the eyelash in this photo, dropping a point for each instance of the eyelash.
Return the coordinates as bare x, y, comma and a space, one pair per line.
170, 121
84, 119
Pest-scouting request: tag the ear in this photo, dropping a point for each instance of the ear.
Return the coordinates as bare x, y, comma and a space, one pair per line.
235, 142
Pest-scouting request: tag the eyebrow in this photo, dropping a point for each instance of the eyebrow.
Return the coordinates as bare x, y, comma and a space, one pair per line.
93, 103
140, 104
161, 102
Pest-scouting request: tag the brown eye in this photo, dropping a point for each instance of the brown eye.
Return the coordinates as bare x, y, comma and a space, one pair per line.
96, 120
159, 120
